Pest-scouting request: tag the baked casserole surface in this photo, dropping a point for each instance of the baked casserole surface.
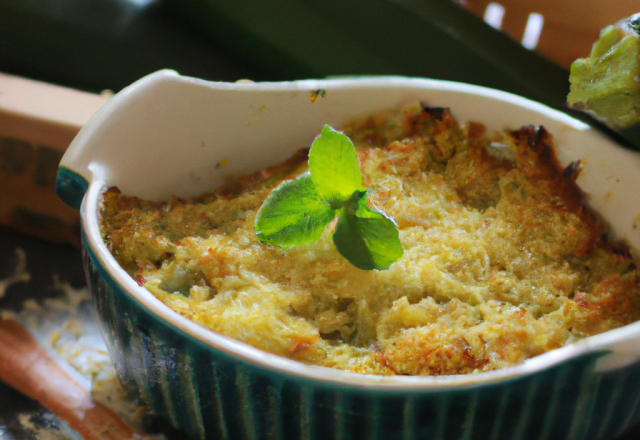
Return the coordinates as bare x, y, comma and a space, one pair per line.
502, 260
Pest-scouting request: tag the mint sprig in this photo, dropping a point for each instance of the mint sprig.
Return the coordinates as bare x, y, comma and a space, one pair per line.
298, 211
334, 169
293, 214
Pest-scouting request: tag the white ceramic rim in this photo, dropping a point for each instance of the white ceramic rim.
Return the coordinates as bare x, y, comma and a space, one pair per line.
329, 376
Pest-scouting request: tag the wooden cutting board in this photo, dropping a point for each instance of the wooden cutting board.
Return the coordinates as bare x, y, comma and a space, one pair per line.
37, 123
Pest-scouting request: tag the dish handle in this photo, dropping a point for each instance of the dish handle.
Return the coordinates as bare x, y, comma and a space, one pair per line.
71, 186
92, 153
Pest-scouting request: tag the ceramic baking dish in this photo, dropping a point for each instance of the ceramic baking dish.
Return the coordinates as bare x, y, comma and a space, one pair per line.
167, 135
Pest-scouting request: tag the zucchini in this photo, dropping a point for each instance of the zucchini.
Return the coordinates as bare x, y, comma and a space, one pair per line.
427, 38
607, 83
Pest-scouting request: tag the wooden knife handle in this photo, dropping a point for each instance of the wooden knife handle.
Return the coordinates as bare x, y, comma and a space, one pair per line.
28, 368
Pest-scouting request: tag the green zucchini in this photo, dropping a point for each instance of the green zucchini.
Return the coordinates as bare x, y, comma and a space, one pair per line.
295, 39
607, 83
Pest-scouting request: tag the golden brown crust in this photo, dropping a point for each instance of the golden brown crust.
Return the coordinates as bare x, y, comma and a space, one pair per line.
501, 262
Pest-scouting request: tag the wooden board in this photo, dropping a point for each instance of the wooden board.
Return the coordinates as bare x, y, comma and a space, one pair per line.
37, 123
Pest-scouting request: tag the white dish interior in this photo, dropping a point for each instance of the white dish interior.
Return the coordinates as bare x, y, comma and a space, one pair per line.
168, 135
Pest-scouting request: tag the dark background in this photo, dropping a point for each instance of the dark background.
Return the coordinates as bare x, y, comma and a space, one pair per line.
95, 45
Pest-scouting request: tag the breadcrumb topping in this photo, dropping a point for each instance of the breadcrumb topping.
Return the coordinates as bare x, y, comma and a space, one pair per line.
502, 261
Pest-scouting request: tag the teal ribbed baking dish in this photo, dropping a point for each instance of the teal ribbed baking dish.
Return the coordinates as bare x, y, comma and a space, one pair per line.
163, 135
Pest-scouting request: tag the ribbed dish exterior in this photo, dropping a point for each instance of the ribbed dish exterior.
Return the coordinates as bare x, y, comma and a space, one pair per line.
210, 395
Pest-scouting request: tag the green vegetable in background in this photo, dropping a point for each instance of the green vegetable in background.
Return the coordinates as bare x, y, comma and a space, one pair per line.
607, 84
298, 211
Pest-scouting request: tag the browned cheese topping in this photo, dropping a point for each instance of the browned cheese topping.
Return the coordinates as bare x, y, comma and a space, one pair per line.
502, 262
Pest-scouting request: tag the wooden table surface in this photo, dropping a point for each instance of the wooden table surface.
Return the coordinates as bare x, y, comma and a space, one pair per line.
569, 26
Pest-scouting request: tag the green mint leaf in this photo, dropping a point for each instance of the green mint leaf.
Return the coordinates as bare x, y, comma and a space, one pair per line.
333, 165
367, 238
293, 214
298, 211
